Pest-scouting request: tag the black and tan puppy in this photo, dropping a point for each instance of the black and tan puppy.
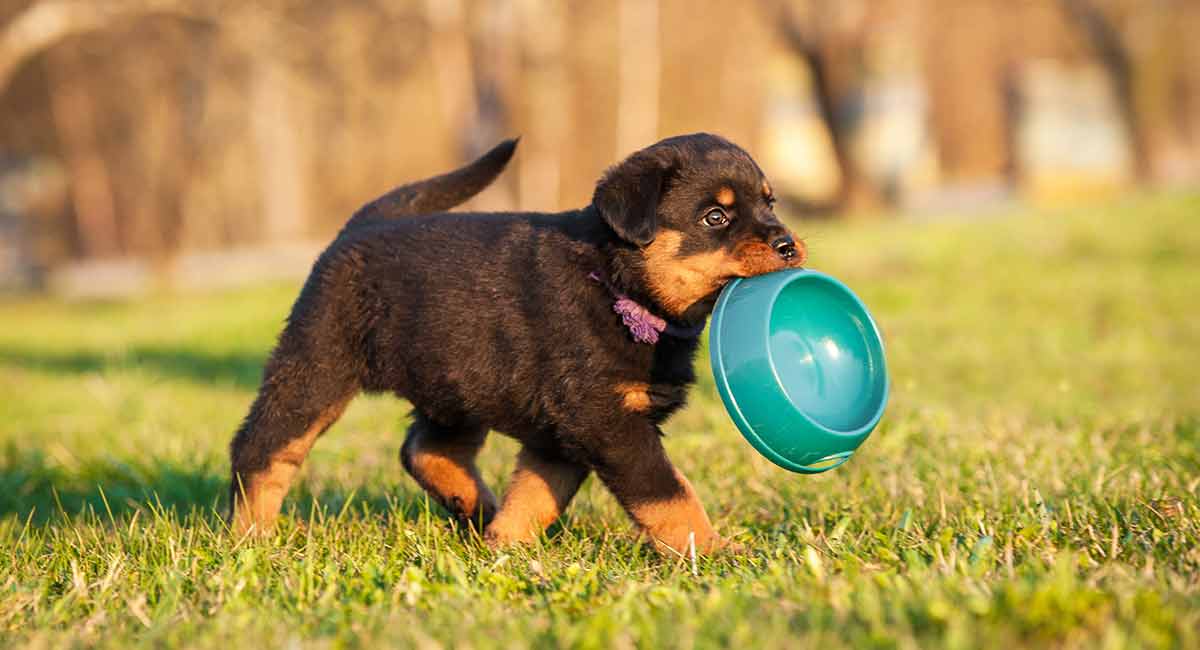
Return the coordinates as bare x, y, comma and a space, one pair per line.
574, 333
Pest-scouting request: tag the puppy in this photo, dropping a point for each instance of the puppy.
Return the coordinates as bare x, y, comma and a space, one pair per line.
574, 333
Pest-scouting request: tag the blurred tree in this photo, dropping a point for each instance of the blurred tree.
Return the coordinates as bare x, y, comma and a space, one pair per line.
1149, 54
830, 39
640, 72
43, 24
74, 113
51, 28
495, 71
970, 67
542, 29
1110, 49
468, 67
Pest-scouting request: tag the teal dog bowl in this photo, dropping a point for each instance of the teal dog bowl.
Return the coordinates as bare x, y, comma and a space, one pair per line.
799, 364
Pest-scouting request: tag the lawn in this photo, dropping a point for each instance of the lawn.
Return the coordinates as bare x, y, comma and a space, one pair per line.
1035, 481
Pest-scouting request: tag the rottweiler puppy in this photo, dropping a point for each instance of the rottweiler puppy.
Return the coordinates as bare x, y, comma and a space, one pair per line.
574, 333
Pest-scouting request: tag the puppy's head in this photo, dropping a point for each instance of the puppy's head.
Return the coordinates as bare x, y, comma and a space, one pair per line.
696, 212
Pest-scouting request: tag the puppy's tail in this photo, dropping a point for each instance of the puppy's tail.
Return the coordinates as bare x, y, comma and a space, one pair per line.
440, 193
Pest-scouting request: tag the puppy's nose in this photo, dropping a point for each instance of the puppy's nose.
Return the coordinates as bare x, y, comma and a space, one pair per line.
785, 247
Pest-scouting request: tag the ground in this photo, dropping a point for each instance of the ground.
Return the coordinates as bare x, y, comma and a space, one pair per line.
1035, 480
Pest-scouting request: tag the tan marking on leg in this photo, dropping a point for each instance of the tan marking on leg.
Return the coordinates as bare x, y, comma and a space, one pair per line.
725, 196
448, 472
671, 522
263, 491
635, 396
538, 493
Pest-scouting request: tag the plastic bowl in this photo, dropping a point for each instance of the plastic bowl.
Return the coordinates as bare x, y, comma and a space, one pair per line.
799, 363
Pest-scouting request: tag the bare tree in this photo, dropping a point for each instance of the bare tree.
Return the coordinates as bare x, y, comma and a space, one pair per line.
473, 75
38, 29
1105, 39
542, 27
280, 151
638, 75
832, 50
48, 22
971, 62
450, 49
74, 113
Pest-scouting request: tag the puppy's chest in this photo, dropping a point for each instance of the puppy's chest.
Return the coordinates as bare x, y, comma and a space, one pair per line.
662, 388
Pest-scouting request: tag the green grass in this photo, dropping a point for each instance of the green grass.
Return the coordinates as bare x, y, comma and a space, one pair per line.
1034, 482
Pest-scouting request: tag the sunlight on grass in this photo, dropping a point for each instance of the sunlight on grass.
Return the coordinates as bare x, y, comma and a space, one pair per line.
1034, 480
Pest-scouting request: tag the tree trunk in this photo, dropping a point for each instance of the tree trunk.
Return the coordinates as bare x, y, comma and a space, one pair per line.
639, 69
1114, 55
971, 98
92, 196
542, 27
833, 62
276, 140
450, 50
50, 21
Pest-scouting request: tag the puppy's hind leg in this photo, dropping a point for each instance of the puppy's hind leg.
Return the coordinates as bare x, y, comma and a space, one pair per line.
442, 460
297, 402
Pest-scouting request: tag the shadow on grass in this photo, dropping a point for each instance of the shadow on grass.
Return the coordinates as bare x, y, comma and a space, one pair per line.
243, 370
45, 491
34, 488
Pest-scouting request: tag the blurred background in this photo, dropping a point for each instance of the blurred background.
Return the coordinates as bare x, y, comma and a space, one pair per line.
150, 143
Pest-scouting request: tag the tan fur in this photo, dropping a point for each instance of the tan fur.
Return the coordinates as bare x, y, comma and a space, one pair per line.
755, 257
672, 522
766, 189
263, 492
678, 282
537, 494
448, 472
635, 396
725, 196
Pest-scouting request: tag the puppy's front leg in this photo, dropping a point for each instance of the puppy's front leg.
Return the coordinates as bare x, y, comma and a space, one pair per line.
635, 468
539, 492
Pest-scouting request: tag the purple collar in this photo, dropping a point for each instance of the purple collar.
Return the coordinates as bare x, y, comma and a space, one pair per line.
642, 323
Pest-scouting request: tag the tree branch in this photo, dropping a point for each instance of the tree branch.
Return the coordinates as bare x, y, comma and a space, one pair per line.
48, 22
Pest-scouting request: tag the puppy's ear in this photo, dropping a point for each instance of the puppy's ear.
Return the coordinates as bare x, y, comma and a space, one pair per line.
628, 195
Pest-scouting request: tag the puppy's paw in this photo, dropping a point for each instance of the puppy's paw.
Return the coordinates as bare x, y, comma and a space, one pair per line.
497, 536
712, 545
725, 546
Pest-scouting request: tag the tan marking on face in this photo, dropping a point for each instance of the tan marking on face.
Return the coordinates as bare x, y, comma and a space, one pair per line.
766, 189
755, 258
448, 473
537, 494
672, 522
263, 491
678, 282
635, 396
725, 196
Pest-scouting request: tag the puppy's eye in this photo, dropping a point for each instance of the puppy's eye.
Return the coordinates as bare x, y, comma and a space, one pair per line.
770, 201
715, 218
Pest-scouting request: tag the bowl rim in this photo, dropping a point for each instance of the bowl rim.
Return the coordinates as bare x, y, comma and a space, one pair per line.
718, 364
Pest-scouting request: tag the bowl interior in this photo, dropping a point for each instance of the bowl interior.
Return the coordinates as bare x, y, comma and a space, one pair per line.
826, 354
